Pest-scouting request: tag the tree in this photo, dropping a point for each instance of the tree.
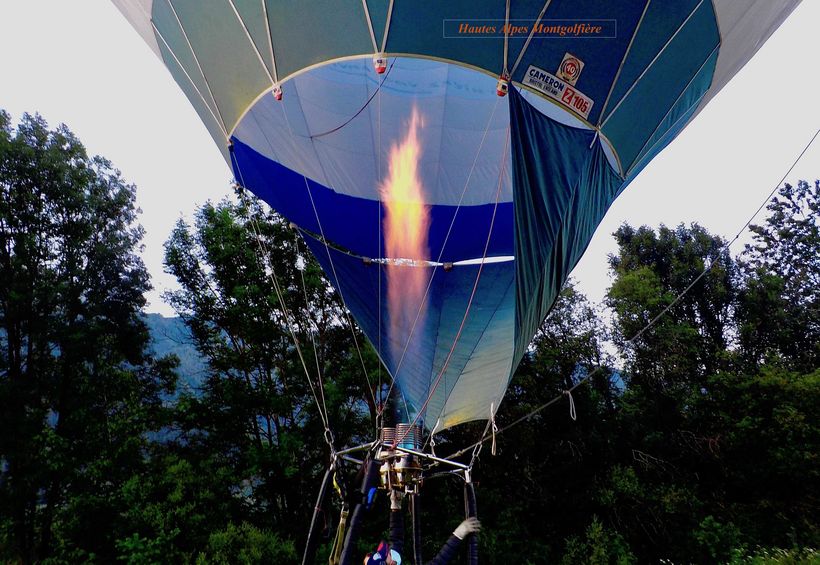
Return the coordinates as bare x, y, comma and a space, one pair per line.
650, 492
779, 309
766, 409
758, 472
280, 353
715, 435
651, 270
77, 384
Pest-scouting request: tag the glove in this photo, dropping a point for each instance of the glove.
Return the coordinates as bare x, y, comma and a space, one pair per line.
467, 527
396, 498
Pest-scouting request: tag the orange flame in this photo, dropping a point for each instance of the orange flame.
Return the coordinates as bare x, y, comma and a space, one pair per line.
406, 226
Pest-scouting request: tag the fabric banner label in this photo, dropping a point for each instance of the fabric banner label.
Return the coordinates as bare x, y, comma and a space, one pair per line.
559, 90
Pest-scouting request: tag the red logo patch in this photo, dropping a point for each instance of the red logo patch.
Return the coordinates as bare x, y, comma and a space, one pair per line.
570, 68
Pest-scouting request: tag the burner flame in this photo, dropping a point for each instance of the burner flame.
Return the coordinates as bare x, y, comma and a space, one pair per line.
406, 228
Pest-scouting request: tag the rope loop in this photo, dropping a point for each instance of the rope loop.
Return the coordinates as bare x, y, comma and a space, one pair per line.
329, 439
379, 419
572, 413
493, 426
433, 437
476, 453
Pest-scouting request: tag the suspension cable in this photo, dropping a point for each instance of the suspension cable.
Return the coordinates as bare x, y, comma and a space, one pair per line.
505, 71
360, 110
310, 319
654, 320
330, 258
341, 294
529, 37
287, 315
379, 248
328, 434
324, 241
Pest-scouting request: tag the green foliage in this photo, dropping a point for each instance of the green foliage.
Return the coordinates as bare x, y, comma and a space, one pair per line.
651, 270
599, 546
766, 445
717, 444
716, 539
775, 556
779, 309
136, 550
247, 544
78, 389
251, 434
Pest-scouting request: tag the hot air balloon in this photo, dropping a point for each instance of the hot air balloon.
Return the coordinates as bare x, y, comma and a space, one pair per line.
448, 162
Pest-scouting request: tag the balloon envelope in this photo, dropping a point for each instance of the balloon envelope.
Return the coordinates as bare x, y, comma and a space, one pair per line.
515, 186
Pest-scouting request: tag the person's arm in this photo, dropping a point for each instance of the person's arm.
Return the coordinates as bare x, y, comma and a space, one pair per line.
448, 551
396, 522
450, 547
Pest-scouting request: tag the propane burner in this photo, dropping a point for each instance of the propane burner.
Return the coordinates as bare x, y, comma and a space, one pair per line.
400, 470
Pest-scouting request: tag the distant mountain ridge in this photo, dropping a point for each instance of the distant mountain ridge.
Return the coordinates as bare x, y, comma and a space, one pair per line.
171, 335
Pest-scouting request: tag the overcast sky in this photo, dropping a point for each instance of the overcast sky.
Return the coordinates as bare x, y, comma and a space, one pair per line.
81, 63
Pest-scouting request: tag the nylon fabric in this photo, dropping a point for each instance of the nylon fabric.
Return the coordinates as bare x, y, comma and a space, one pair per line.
479, 366
643, 107
351, 222
562, 189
